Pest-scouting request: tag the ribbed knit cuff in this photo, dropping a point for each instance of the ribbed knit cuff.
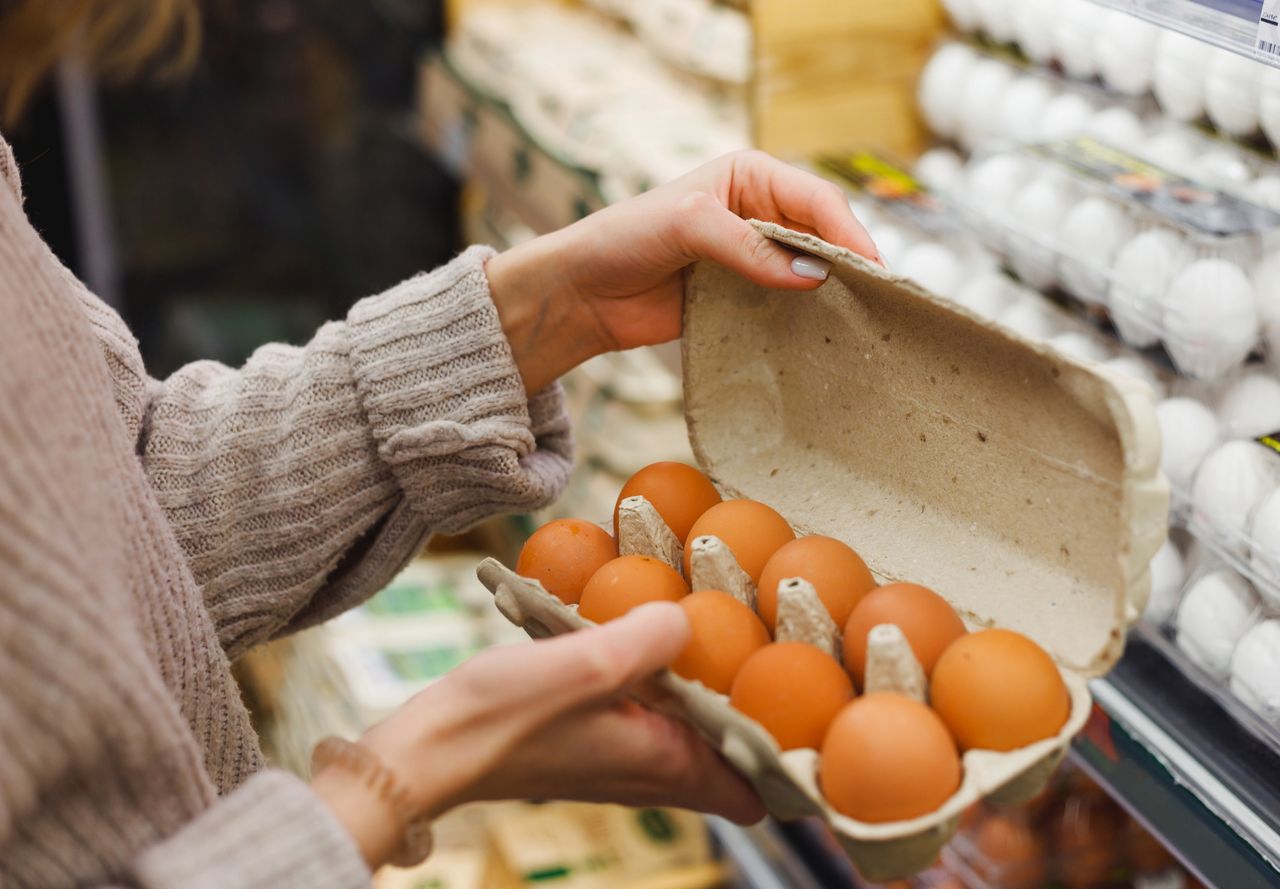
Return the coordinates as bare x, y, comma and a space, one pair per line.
271, 832
446, 404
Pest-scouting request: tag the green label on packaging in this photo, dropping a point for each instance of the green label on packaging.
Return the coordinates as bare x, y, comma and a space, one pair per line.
891, 186
1184, 202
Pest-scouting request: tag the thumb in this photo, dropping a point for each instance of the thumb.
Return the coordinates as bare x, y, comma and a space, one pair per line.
709, 230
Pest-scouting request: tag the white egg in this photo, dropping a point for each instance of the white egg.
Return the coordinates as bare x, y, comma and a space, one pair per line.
1036, 210
1266, 283
1269, 104
1174, 150
1080, 346
993, 182
1126, 52
1033, 28
1091, 234
942, 87
984, 92
1024, 106
1031, 318
939, 168
1216, 612
1065, 117
1140, 275
1075, 35
1223, 167
994, 18
1229, 485
1138, 369
1265, 191
1264, 539
1255, 670
1250, 405
892, 242
988, 295
1116, 126
934, 266
1167, 574
1210, 317
1188, 432
1232, 89
963, 13
1178, 74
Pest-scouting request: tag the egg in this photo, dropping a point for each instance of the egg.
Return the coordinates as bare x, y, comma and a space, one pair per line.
1136, 368
1173, 150
886, 758
752, 531
997, 690
837, 573
1264, 540
1024, 104
1084, 835
1250, 405
1265, 191
940, 169
1143, 268
987, 295
1230, 484
1188, 432
1145, 854
1211, 318
1039, 208
1080, 346
942, 87
992, 184
1167, 575
1269, 104
1266, 282
1117, 126
1216, 611
994, 18
1232, 92
793, 690
984, 93
1089, 237
1126, 52
1032, 28
1178, 74
933, 266
1075, 36
723, 634
925, 618
628, 582
1065, 117
1009, 853
963, 14
892, 242
1255, 670
678, 492
1222, 167
562, 555
1031, 318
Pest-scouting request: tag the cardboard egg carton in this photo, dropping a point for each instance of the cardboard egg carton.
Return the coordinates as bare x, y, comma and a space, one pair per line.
1021, 485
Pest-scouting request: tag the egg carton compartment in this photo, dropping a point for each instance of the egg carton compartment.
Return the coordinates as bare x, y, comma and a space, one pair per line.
1172, 261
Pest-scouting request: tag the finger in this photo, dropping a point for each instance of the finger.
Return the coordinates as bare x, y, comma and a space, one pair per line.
709, 230
807, 199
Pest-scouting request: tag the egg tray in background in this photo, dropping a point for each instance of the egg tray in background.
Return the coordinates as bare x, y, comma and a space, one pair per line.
1021, 485
1173, 261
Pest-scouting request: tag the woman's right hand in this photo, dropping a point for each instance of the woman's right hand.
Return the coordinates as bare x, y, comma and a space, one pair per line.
552, 720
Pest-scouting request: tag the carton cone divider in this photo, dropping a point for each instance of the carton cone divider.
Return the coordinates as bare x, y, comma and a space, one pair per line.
892, 665
642, 531
803, 618
712, 566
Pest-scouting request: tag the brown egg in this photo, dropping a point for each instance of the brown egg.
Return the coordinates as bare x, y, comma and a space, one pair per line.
887, 757
1009, 853
1086, 841
792, 689
678, 492
629, 582
925, 618
1145, 854
752, 531
838, 574
998, 690
562, 555
724, 633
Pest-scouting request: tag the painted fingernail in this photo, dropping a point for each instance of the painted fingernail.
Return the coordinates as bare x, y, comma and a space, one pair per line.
810, 267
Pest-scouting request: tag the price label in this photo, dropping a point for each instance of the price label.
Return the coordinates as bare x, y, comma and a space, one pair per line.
1267, 45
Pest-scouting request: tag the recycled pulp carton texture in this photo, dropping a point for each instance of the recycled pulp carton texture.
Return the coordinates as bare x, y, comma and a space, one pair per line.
1020, 484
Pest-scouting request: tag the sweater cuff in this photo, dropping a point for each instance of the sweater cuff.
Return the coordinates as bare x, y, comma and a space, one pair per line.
446, 404
271, 831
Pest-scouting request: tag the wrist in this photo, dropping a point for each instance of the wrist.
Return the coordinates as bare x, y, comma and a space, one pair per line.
374, 825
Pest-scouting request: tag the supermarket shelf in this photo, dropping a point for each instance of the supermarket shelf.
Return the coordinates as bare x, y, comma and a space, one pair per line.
1156, 742
761, 857
1229, 24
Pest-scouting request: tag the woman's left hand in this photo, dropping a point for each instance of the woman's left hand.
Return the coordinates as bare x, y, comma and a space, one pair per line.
614, 280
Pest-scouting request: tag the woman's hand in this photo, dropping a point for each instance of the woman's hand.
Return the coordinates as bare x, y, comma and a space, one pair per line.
550, 720
615, 279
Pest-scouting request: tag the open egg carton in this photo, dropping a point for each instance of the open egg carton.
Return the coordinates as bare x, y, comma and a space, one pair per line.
1173, 261
1021, 485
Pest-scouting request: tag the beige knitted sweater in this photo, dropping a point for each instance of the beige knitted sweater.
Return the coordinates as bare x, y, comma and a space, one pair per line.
153, 530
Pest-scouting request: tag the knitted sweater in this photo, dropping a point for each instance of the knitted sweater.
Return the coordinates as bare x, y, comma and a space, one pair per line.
153, 530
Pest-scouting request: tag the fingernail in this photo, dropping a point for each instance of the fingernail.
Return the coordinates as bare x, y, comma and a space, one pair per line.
810, 267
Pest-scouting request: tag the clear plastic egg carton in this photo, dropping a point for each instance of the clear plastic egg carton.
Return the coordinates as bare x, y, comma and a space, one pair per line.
1173, 262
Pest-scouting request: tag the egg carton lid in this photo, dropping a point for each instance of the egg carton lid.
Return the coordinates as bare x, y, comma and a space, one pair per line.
1021, 484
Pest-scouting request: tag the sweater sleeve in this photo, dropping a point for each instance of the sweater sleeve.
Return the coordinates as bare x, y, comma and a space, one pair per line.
270, 832
300, 483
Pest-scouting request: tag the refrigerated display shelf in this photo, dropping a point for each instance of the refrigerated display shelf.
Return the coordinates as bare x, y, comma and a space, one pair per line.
1229, 24
1174, 754
762, 857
